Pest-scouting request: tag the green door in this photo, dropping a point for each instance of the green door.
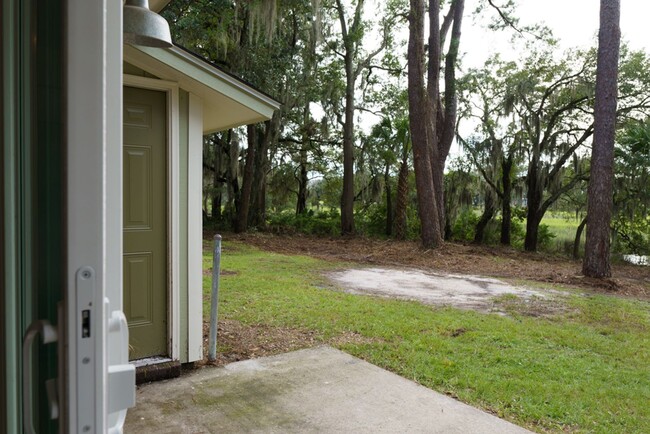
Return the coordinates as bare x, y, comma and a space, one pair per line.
145, 222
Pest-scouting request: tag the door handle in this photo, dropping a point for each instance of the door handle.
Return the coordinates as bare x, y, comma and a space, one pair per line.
48, 335
121, 373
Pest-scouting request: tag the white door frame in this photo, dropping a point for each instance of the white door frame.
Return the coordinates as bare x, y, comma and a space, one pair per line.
91, 123
173, 204
97, 384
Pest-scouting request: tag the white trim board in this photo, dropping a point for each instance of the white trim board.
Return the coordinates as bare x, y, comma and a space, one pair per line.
227, 101
195, 230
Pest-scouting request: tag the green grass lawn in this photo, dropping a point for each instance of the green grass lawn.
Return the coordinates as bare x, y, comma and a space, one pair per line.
585, 370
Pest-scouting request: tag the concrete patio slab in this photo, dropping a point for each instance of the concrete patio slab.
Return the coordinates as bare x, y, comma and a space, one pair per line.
308, 391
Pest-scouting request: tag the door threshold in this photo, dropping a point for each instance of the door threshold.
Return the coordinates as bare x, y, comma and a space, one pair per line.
155, 369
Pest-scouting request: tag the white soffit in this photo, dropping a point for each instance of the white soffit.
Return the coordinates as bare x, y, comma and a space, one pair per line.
157, 5
227, 101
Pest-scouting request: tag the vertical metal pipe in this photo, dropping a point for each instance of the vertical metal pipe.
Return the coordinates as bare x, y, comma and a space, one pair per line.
216, 269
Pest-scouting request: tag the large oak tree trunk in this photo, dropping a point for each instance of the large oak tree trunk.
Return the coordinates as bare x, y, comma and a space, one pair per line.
257, 216
600, 202
533, 202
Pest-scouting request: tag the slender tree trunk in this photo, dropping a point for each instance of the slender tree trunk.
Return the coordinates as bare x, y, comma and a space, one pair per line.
301, 203
234, 198
488, 212
350, 44
576, 241
217, 180
389, 202
402, 198
247, 183
506, 209
600, 201
347, 197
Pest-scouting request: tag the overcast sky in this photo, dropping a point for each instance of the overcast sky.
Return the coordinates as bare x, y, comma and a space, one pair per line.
573, 22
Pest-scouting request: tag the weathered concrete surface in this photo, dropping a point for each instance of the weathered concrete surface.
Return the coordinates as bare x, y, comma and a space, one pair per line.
316, 390
465, 292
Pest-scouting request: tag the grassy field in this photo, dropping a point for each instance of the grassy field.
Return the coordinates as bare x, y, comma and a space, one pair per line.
564, 230
585, 370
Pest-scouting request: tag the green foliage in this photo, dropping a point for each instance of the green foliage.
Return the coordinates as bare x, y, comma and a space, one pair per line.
632, 196
584, 369
544, 237
464, 225
322, 223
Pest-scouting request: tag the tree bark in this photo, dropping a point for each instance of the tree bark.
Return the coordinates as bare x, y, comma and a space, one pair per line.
576, 242
241, 225
488, 212
234, 196
301, 202
533, 202
401, 201
347, 196
600, 195
217, 183
506, 207
445, 131
257, 215
389, 202
421, 123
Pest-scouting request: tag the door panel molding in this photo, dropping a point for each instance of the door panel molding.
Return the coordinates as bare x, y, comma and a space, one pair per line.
173, 203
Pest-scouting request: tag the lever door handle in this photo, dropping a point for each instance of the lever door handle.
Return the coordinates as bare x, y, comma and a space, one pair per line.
48, 334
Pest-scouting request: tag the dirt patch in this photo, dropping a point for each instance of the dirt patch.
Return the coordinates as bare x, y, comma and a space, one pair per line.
500, 262
208, 272
237, 341
464, 292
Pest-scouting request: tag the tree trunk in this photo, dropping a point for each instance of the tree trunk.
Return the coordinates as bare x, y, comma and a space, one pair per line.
401, 201
217, 180
488, 212
576, 242
445, 131
534, 203
233, 204
506, 208
421, 123
532, 231
389, 202
301, 203
257, 216
347, 197
241, 224
600, 196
